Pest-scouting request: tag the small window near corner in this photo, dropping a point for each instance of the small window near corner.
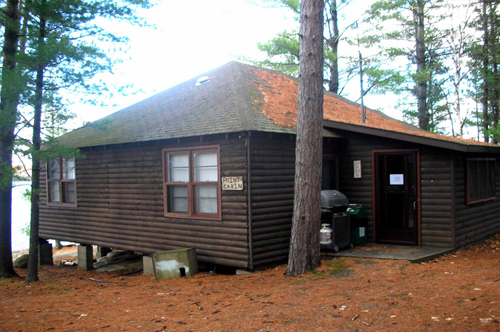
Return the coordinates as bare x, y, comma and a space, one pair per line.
61, 181
480, 180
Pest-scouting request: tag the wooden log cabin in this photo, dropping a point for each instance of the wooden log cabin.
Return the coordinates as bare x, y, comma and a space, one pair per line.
209, 164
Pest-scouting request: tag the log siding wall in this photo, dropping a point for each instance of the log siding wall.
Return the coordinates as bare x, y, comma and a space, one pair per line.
272, 185
120, 204
474, 222
120, 198
435, 185
436, 198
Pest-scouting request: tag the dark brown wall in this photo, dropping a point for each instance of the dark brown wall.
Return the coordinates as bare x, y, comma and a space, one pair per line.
120, 204
272, 184
477, 221
436, 197
435, 165
120, 198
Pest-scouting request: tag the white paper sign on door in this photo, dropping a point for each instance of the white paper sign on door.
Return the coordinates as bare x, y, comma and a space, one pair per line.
396, 179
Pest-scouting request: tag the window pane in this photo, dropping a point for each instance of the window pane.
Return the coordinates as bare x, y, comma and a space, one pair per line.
178, 160
205, 164
205, 174
68, 192
178, 167
205, 199
491, 179
178, 175
54, 169
177, 199
481, 179
68, 168
54, 193
207, 158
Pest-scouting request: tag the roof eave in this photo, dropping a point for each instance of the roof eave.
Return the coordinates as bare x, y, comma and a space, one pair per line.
454, 146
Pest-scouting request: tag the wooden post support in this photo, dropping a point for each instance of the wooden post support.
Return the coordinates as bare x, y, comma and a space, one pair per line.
45, 253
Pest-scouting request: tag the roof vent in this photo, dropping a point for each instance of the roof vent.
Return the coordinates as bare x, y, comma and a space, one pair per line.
203, 80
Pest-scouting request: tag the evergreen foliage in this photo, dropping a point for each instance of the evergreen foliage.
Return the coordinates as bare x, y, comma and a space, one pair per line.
283, 50
61, 47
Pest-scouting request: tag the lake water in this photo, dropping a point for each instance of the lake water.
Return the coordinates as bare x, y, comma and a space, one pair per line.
21, 213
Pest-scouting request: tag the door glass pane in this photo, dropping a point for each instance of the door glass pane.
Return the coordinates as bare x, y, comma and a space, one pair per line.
54, 169
178, 167
68, 168
205, 199
54, 193
177, 199
69, 192
205, 166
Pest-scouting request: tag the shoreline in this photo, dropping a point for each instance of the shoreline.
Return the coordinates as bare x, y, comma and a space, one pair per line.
65, 250
18, 253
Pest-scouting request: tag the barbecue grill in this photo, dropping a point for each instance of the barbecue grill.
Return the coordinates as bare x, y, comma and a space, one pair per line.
335, 234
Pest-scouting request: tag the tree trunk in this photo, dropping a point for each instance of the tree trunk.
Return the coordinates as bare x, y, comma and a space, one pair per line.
494, 95
333, 43
304, 252
485, 75
421, 88
32, 274
8, 114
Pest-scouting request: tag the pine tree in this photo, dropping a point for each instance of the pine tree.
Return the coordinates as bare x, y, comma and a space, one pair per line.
283, 50
485, 64
63, 47
58, 32
8, 115
304, 242
410, 42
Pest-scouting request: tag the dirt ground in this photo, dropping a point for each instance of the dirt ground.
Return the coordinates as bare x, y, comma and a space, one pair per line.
456, 292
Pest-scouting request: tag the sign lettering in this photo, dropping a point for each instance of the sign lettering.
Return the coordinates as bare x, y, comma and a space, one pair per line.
232, 183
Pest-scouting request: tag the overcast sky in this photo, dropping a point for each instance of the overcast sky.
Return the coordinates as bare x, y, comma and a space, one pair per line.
191, 37
195, 36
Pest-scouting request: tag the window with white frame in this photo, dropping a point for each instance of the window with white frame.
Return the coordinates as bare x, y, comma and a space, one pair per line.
61, 181
191, 182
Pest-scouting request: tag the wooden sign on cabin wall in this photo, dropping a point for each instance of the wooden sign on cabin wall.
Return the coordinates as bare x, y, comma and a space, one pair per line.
232, 183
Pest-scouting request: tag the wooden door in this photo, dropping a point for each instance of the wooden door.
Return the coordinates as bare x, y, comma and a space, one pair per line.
396, 197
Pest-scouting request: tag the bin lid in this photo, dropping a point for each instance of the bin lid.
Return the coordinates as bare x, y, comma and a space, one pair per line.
357, 210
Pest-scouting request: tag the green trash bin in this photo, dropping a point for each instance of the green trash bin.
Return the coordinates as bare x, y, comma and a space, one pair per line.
359, 221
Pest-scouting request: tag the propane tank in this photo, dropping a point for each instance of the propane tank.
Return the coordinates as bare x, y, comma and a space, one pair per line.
325, 234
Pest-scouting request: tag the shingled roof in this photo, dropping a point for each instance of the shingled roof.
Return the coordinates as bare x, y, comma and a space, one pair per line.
232, 98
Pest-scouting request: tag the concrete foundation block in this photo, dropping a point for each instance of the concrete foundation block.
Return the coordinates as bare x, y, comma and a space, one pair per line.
85, 257
147, 265
45, 253
175, 263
